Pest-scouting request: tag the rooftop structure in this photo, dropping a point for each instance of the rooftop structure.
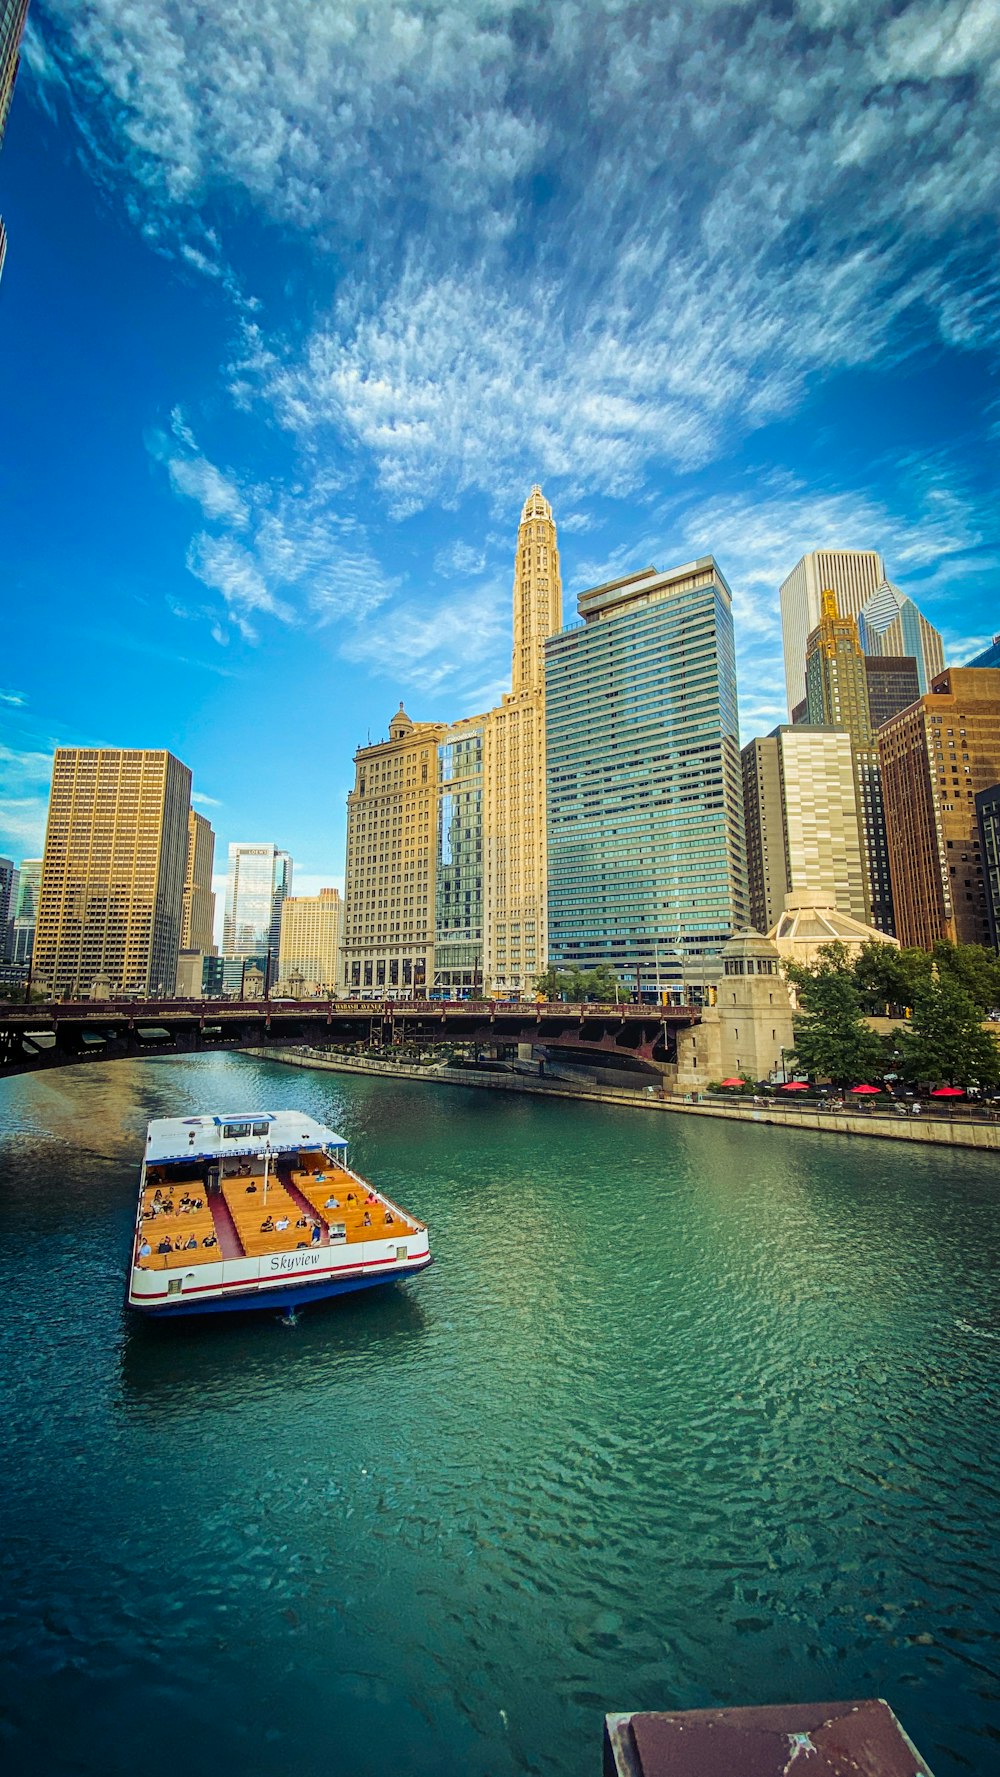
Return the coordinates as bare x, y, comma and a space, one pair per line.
810, 921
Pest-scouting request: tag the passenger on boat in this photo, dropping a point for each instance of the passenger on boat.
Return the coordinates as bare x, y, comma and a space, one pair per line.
281, 1224
267, 1226
166, 1245
389, 1216
351, 1197
209, 1240
371, 1198
145, 1249
250, 1188
367, 1221
157, 1195
332, 1203
315, 1236
303, 1222
190, 1243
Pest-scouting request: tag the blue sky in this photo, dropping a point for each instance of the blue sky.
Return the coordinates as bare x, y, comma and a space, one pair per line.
302, 296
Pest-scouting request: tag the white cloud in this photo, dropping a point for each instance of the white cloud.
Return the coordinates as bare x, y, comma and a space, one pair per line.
205, 801
25, 776
561, 271
16, 699
455, 651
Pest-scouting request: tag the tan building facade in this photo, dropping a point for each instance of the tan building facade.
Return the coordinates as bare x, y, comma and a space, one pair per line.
749, 1029
802, 821
198, 910
311, 930
112, 884
389, 887
936, 756
515, 931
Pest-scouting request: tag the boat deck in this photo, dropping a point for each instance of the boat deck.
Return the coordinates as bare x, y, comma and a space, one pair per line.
309, 1204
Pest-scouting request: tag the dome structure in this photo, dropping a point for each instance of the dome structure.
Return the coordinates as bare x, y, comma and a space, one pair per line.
811, 920
400, 725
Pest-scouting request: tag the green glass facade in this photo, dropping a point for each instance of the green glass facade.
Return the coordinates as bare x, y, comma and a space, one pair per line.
646, 848
458, 906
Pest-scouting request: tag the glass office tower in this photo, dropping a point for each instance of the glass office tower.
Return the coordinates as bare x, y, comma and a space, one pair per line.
646, 848
458, 894
260, 876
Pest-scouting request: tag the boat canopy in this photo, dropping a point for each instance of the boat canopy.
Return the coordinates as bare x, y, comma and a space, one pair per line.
243, 1133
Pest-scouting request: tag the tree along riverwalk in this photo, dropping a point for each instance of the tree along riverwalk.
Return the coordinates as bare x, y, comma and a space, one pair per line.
945, 1130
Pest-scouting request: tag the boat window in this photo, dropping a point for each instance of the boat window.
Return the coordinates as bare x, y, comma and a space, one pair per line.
260, 1128
173, 1286
400, 1252
338, 1230
233, 1131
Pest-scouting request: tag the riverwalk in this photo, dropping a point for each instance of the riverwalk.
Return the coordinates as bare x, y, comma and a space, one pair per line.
944, 1130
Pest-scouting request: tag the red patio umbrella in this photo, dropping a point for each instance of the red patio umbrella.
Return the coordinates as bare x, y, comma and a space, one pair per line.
733, 1082
866, 1089
795, 1086
948, 1092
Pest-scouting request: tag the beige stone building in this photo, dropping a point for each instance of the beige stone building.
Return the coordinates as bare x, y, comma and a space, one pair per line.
112, 883
803, 829
311, 929
389, 887
198, 907
515, 931
811, 921
749, 1028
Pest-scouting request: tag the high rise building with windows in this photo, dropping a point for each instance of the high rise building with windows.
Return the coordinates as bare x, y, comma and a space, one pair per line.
515, 939
458, 887
26, 910
12, 17
853, 574
893, 684
837, 696
8, 899
646, 846
890, 623
259, 878
803, 830
390, 879
311, 929
989, 657
988, 822
936, 758
112, 885
198, 912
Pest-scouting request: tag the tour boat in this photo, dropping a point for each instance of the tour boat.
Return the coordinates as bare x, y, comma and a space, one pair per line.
260, 1211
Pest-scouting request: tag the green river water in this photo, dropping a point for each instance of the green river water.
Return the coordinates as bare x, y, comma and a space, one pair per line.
685, 1413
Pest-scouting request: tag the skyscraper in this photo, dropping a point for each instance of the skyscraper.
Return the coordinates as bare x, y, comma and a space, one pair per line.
109, 911
458, 892
310, 942
514, 833
8, 898
988, 822
853, 574
12, 17
646, 848
989, 657
890, 623
26, 910
803, 831
389, 884
837, 695
893, 684
260, 876
936, 756
198, 911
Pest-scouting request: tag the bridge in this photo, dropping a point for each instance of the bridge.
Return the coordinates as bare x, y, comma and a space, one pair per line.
68, 1032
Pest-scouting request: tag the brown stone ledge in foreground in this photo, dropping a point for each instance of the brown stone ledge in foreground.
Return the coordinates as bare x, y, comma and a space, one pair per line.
800, 1739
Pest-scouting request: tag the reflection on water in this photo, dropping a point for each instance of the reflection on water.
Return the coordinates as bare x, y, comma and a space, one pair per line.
683, 1413
189, 1366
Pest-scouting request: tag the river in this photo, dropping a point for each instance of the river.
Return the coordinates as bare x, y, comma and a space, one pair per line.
685, 1413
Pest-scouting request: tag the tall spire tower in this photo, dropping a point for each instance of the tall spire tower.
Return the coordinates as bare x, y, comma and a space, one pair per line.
515, 913
537, 592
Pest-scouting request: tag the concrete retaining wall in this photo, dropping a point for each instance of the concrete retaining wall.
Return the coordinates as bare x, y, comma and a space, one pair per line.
944, 1131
